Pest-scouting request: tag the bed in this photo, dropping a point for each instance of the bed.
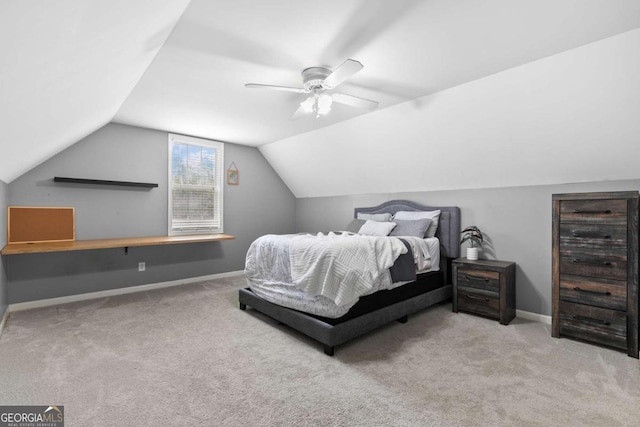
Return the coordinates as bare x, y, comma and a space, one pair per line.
381, 307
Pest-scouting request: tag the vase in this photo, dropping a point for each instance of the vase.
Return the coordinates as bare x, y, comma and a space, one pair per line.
472, 254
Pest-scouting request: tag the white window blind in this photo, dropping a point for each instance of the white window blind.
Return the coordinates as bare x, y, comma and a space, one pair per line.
195, 185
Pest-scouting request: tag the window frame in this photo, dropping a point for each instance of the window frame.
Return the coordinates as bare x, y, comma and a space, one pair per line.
218, 188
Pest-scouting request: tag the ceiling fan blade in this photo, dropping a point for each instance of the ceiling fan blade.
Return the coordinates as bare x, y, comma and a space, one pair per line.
282, 88
298, 114
355, 101
342, 73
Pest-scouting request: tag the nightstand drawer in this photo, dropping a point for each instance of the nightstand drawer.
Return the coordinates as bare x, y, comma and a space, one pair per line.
599, 325
595, 292
601, 211
478, 301
479, 279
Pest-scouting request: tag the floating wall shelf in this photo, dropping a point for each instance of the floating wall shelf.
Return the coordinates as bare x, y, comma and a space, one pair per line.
104, 182
125, 242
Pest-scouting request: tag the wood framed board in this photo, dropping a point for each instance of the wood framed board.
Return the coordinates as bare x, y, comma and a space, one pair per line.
34, 224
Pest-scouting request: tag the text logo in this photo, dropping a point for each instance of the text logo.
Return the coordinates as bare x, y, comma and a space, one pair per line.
32, 416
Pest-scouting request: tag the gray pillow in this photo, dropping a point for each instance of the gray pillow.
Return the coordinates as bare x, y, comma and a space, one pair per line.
433, 215
354, 225
411, 227
375, 217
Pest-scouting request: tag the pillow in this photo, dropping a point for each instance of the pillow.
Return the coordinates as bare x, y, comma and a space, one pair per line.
409, 227
354, 225
376, 228
434, 216
375, 217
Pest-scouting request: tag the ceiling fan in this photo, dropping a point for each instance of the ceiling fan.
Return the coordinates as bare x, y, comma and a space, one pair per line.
316, 81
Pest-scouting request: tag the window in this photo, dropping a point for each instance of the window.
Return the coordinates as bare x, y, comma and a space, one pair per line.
195, 185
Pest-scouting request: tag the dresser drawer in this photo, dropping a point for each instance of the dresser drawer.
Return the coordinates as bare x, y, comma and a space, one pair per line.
595, 292
603, 236
593, 265
478, 301
599, 325
479, 279
610, 211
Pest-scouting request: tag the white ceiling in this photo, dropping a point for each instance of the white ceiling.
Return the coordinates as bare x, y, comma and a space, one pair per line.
71, 66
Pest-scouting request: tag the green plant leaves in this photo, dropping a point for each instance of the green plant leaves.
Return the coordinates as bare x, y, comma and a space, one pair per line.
472, 234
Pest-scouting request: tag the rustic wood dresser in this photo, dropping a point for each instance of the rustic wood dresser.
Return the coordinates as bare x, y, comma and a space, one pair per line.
595, 268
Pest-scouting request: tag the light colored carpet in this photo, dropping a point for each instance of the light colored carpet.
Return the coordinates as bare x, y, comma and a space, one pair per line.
187, 356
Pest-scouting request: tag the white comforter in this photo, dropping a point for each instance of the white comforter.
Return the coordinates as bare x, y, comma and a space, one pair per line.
269, 275
341, 267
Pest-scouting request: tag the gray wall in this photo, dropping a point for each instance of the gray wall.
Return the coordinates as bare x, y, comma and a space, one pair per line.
3, 241
260, 204
517, 221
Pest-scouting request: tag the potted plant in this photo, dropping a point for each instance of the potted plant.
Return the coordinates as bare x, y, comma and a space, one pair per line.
474, 235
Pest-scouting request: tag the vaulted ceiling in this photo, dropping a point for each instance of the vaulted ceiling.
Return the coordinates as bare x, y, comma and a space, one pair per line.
71, 66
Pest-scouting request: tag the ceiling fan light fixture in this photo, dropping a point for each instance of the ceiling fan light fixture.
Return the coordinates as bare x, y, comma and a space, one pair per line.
308, 104
318, 103
323, 103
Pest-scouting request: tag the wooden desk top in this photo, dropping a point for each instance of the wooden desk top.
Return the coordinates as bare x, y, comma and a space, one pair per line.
82, 245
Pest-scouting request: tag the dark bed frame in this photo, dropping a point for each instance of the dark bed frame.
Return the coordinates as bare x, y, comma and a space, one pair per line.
334, 332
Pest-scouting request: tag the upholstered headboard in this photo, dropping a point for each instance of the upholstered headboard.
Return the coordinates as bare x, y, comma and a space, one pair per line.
448, 229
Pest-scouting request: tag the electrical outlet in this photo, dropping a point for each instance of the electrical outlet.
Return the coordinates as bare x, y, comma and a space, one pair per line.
142, 266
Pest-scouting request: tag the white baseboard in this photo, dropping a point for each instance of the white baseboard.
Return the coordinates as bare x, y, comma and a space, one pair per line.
4, 319
542, 318
113, 292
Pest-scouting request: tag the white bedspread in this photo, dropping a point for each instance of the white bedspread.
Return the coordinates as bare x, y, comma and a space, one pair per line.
268, 274
341, 267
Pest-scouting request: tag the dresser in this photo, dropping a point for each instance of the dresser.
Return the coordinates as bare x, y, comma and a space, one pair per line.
485, 287
595, 268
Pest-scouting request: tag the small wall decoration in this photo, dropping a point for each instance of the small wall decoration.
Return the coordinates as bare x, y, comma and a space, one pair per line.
233, 174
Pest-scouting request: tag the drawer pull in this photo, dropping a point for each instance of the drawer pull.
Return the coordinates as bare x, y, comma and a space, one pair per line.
607, 293
580, 261
476, 278
477, 298
578, 211
587, 235
589, 319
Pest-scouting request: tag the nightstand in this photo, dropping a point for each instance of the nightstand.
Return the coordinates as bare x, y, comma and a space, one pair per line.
485, 287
